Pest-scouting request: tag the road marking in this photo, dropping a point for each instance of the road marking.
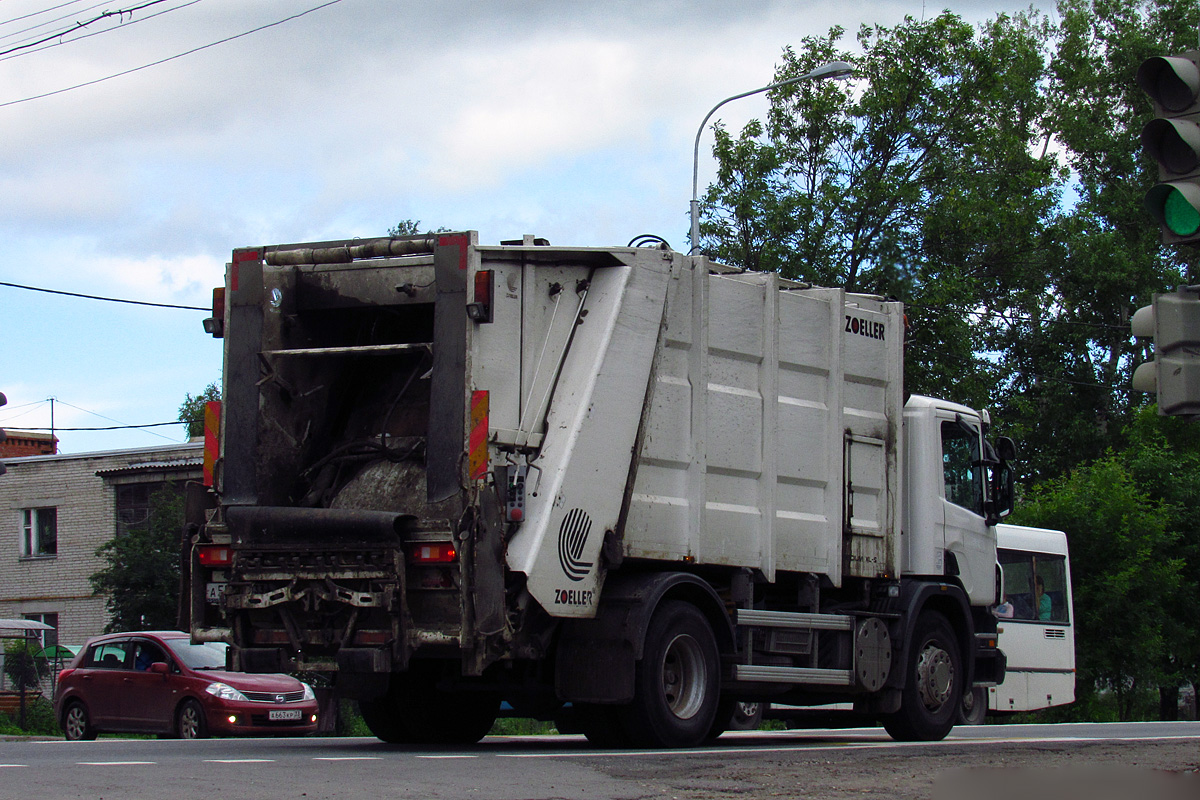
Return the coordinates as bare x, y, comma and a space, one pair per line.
113, 763
239, 761
347, 758
449, 756
12, 766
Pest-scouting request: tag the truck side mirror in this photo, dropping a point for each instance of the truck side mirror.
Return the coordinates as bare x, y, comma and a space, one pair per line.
1006, 448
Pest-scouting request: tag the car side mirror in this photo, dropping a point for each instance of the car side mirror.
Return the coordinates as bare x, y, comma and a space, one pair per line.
160, 668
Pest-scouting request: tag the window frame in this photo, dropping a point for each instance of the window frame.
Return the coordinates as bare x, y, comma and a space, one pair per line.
35, 524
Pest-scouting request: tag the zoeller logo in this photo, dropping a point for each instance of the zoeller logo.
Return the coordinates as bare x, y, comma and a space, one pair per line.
572, 538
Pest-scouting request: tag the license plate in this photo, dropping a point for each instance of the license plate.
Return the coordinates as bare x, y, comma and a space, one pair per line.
283, 714
213, 592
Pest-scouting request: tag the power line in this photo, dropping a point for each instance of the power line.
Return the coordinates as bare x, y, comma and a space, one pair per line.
108, 299
109, 428
11, 53
50, 36
169, 58
43, 11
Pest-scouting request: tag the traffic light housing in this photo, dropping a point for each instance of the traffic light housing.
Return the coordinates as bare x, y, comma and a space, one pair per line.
1174, 374
1172, 139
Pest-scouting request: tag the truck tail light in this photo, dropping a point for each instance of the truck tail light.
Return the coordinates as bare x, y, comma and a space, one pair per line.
434, 553
215, 555
480, 309
215, 324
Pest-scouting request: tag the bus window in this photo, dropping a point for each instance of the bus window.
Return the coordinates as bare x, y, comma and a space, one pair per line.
1036, 586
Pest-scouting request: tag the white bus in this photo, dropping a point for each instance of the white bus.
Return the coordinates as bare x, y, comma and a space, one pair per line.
1036, 625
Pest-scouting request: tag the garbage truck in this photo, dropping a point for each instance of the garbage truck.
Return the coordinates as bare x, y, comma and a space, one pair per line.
623, 488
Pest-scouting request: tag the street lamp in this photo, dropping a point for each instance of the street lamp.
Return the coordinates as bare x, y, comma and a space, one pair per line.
834, 69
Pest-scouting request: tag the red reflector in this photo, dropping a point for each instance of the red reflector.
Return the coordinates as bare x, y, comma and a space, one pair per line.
268, 636
371, 637
212, 439
219, 555
480, 310
439, 553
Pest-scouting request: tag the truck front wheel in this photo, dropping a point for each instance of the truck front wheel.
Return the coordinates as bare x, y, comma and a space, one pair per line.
932, 696
677, 682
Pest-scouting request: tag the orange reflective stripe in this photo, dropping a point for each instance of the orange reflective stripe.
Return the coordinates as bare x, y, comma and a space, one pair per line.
478, 454
212, 439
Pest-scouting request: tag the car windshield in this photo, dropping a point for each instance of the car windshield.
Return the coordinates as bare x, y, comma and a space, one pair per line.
209, 655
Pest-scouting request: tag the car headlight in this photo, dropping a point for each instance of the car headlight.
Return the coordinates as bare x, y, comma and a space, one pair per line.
308, 692
225, 692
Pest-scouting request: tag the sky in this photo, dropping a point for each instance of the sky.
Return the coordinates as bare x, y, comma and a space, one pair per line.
232, 123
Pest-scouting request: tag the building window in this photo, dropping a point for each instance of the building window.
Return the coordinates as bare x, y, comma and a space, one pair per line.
133, 506
39, 532
46, 638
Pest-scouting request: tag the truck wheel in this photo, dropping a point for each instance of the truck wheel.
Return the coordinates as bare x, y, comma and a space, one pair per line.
415, 710
77, 725
931, 697
383, 719
974, 707
190, 722
677, 682
601, 724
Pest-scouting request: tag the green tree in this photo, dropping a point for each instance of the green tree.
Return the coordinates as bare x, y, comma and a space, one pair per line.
140, 577
191, 411
410, 227
921, 180
1125, 575
21, 664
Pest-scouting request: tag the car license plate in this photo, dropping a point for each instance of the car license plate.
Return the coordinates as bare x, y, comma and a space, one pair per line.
213, 592
277, 714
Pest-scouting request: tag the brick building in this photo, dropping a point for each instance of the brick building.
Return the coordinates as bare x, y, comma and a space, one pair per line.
27, 443
55, 510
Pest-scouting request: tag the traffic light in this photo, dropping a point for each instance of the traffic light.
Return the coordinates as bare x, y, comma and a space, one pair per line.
1172, 138
1174, 374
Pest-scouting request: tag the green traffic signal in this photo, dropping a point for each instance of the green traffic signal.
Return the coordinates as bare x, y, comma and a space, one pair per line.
1179, 215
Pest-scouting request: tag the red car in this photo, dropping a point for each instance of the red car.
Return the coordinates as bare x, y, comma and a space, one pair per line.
159, 682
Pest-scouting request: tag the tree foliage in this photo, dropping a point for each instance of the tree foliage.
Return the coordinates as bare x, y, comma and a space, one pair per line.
140, 577
191, 411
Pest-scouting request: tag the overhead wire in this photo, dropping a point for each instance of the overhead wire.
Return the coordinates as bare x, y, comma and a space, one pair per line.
169, 58
99, 297
11, 53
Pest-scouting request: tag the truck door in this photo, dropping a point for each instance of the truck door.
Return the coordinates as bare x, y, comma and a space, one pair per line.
968, 537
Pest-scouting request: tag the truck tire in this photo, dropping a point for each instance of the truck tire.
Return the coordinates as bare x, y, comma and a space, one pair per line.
416, 711
677, 683
601, 724
974, 707
932, 696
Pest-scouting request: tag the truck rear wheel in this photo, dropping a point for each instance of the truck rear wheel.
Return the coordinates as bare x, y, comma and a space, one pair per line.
932, 696
416, 711
677, 682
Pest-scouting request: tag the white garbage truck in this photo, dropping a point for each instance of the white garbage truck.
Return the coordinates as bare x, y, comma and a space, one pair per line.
624, 488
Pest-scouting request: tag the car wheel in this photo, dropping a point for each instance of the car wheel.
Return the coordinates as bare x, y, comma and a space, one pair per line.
77, 725
190, 722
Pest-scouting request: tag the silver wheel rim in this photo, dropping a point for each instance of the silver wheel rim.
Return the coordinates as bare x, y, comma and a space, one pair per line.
684, 676
76, 725
188, 723
935, 676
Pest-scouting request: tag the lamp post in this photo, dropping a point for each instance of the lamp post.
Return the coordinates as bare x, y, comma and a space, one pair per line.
834, 69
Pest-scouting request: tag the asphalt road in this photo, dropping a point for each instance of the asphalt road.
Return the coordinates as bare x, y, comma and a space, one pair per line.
1149, 760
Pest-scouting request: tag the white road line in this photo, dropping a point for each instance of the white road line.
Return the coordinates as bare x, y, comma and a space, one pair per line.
449, 756
12, 766
347, 758
113, 763
239, 761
